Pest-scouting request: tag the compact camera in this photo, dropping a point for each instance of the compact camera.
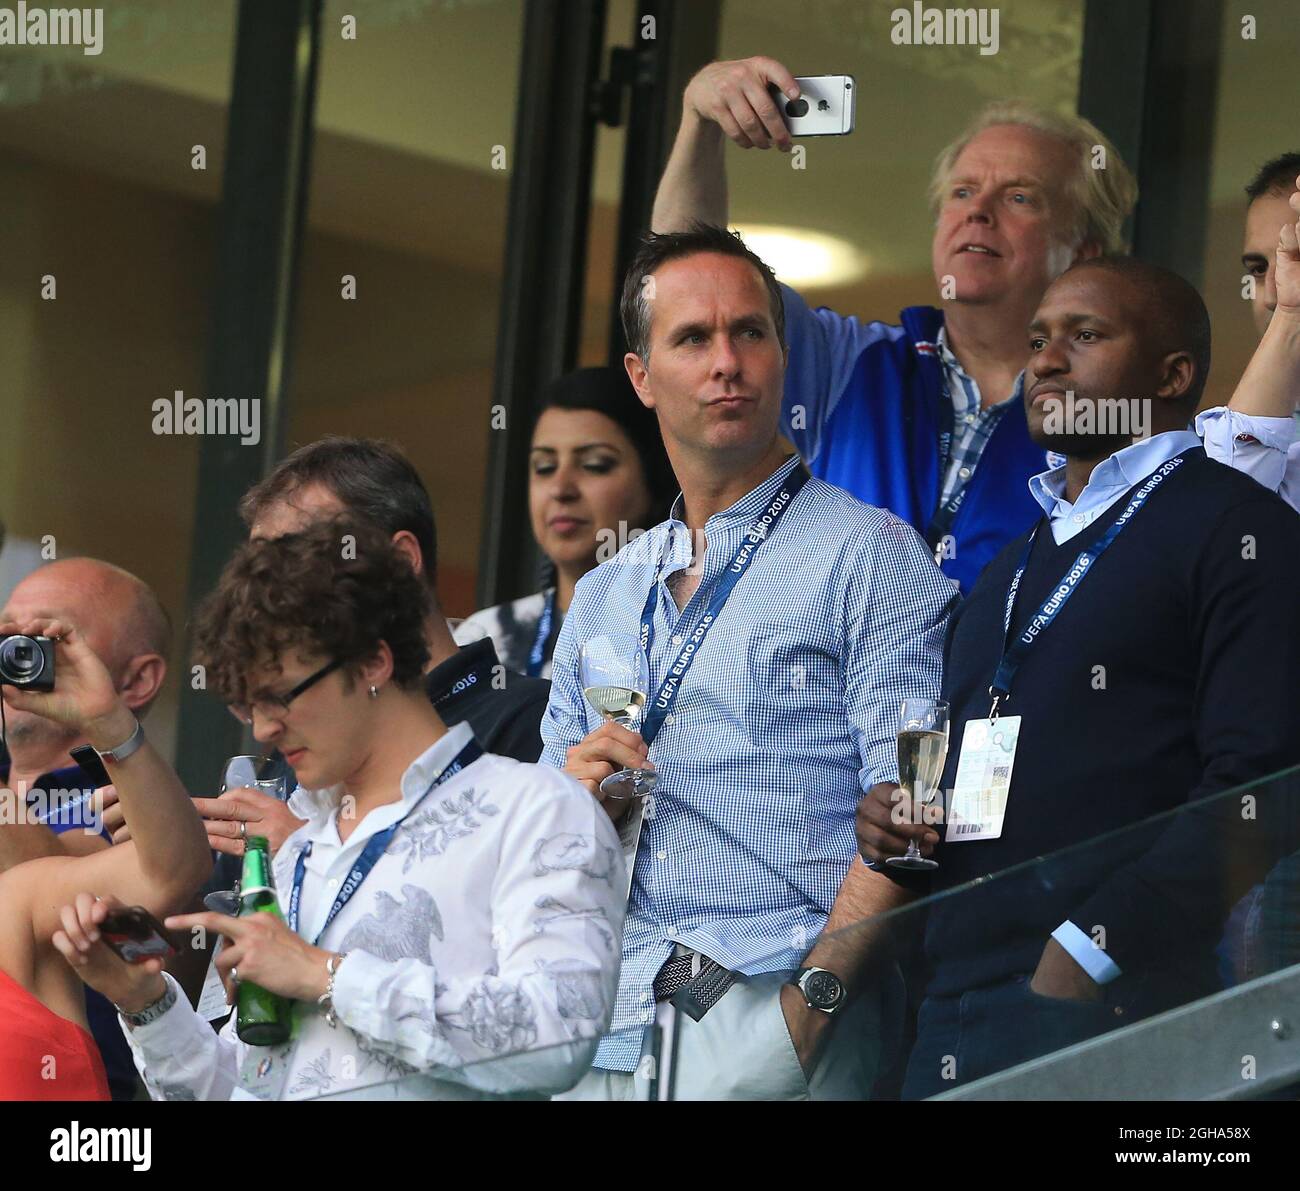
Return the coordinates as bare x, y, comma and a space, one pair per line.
27, 662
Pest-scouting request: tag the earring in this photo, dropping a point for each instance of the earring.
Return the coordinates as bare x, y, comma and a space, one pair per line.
374, 691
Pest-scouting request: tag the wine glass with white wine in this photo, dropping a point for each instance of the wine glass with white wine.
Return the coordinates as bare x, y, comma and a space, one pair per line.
615, 677
255, 773
922, 751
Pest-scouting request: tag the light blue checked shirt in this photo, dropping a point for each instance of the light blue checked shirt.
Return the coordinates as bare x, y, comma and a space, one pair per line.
788, 714
972, 426
1110, 479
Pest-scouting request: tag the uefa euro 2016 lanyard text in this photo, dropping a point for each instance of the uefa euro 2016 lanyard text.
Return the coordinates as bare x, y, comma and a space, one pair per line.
986, 761
1013, 653
537, 655
758, 533
373, 850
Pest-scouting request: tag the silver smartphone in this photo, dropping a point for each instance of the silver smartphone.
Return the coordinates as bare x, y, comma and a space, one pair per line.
825, 107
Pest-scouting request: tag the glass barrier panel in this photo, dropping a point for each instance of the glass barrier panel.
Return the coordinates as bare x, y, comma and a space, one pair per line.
1185, 983
1185, 923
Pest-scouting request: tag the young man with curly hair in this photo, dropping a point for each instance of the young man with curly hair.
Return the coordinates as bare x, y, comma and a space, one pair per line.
451, 917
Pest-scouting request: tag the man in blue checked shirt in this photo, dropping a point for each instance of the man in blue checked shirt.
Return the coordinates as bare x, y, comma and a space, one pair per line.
790, 620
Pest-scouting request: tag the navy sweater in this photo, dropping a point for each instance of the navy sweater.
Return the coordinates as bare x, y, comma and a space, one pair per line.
1191, 614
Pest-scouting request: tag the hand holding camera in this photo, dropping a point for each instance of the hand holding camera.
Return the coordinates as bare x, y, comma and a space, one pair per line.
758, 103
735, 96
85, 697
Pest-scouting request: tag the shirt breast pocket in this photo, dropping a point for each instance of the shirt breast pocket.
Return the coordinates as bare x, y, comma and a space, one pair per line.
794, 686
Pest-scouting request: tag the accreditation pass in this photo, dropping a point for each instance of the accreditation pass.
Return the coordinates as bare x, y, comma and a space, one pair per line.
979, 796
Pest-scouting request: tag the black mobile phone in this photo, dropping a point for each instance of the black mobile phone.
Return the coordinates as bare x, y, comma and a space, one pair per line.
85, 756
135, 935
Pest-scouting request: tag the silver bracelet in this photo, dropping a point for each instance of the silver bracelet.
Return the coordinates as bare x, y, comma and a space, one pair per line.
126, 748
151, 1012
325, 1002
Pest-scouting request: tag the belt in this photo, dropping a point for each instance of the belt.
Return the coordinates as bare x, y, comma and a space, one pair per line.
693, 983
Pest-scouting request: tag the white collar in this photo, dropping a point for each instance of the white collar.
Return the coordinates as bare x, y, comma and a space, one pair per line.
318, 806
1118, 472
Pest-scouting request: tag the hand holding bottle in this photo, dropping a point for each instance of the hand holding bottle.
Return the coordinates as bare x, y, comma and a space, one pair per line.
264, 951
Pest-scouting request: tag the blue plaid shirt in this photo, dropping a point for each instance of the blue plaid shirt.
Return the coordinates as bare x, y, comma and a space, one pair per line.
972, 426
787, 715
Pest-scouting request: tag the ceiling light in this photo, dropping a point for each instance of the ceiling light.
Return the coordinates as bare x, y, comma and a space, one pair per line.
803, 258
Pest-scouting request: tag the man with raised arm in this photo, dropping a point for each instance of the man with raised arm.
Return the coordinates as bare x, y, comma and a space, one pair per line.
925, 418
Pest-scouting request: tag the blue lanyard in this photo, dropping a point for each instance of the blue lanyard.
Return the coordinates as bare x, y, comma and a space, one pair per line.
537, 655
374, 848
465, 683
944, 515
758, 533
1013, 653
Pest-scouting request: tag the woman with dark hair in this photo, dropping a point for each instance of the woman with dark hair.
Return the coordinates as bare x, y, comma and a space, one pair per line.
451, 919
598, 476
46, 1050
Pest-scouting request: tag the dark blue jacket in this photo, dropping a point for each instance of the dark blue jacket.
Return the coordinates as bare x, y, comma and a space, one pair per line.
863, 404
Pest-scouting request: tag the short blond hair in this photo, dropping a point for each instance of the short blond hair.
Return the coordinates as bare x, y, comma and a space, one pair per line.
1101, 198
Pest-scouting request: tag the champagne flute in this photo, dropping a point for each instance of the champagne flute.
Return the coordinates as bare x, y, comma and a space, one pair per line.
257, 773
615, 677
922, 750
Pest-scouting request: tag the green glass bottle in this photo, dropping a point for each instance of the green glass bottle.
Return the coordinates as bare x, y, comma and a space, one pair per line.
262, 1018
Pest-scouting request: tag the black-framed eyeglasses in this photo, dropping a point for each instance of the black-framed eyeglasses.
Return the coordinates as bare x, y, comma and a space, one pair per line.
276, 707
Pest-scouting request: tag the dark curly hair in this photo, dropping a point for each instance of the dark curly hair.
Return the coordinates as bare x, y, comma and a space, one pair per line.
338, 588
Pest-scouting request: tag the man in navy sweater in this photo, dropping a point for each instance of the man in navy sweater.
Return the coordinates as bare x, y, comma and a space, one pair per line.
1149, 663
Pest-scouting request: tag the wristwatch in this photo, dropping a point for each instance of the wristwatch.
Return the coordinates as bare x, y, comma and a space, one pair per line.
823, 990
126, 748
151, 1012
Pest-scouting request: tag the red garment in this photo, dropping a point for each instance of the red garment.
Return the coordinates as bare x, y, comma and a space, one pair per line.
42, 1055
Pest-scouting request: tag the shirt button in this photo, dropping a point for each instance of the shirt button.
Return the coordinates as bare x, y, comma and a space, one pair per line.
669, 718
969, 419
333, 883
661, 854
964, 473
1078, 518
645, 1018
677, 640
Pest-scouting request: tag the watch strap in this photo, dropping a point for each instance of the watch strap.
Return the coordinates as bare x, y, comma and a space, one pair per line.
126, 748
154, 1011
